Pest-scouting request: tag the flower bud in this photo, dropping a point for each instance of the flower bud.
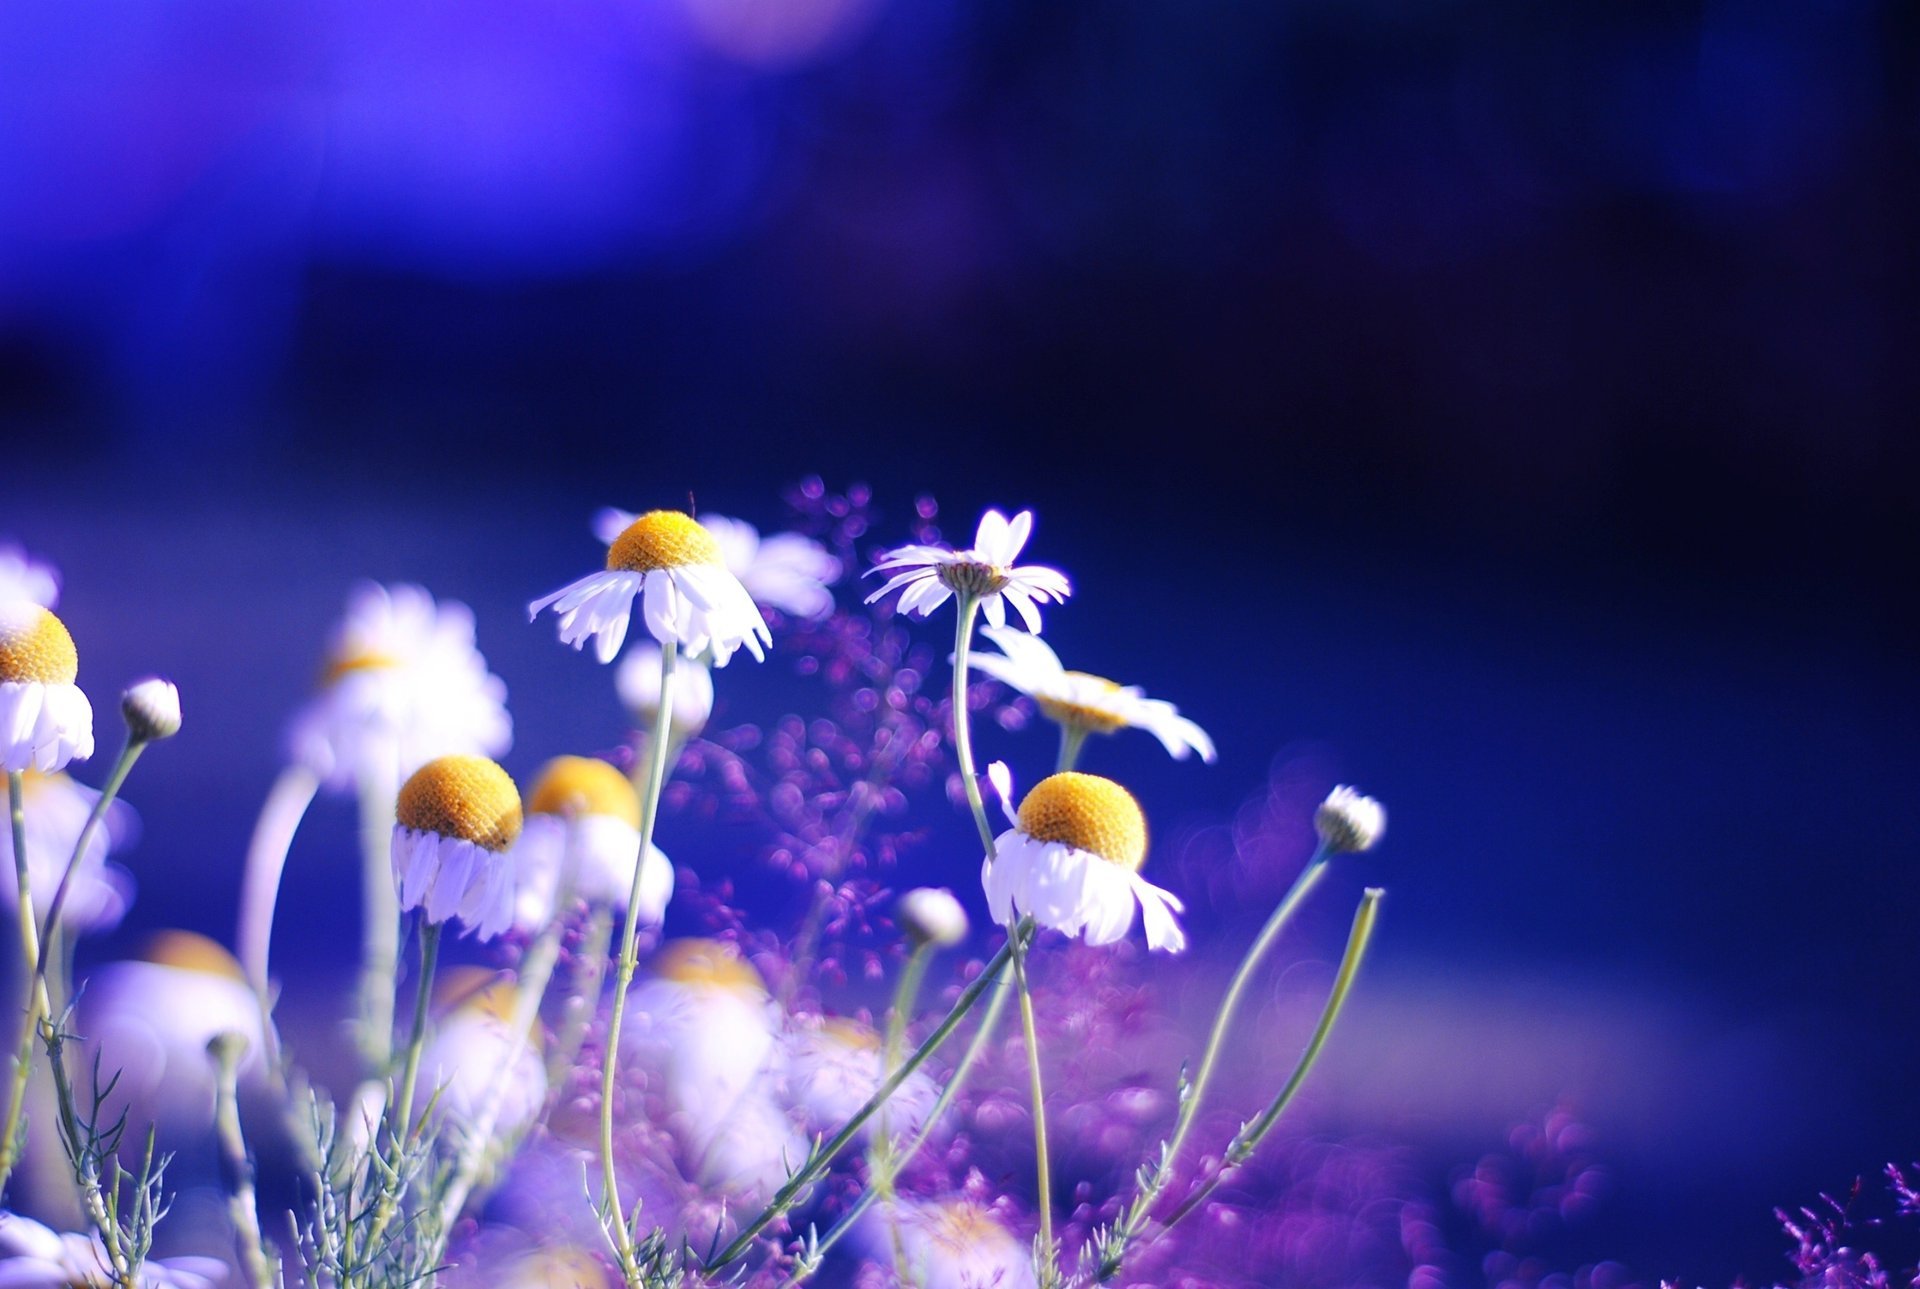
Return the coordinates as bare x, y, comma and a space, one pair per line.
930, 915
152, 709
1348, 822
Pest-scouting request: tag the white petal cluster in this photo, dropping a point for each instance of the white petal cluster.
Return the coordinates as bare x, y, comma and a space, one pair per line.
451, 877
56, 810
834, 1066
1349, 822
786, 571
598, 853
952, 1243
638, 683
475, 1056
23, 577
926, 575
33, 1256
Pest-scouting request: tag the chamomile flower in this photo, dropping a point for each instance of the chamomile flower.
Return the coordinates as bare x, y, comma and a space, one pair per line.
929, 574
455, 824
1072, 859
952, 1243
687, 595
1085, 703
56, 813
469, 1051
835, 1065
45, 721
33, 1256
786, 571
583, 832
23, 577
403, 684
1348, 821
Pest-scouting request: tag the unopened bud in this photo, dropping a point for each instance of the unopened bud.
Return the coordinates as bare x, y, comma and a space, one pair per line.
930, 915
152, 709
1349, 822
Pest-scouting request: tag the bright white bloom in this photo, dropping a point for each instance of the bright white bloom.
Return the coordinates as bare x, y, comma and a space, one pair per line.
931, 915
45, 721
454, 827
986, 570
33, 1256
1084, 702
56, 812
705, 1028
469, 1051
403, 684
24, 578
687, 595
583, 832
1072, 859
1349, 822
948, 1244
786, 571
835, 1065
151, 708
638, 680
150, 1020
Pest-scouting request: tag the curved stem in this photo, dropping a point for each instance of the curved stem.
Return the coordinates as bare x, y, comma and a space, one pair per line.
128, 755
658, 745
1043, 1182
280, 818
965, 606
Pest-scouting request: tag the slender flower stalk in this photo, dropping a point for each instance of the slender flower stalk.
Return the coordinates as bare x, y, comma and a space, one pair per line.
1072, 739
1141, 1209
129, 753
242, 1208
965, 605
589, 979
273, 832
1043, 1169
34, 1003
380, 912
881, 1151
402, 1118
659, 741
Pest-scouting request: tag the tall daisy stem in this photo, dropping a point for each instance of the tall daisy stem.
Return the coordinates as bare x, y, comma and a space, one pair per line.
422, 1005
243, 1208
966, 604
35, 1000
129, 753
881, 1151
1072, 739
618, 1221
273, 832
1043, 1170
380, 904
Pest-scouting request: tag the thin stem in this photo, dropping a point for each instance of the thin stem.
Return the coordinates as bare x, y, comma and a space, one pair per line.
1248, 1139
818, 1161
242, 1207
1072, 739
101, 1208
128, 755
579, 1011
11, 1130
380, 913
965, 606
904, 995
657, 747
280, 818
1043, 1170
402, 1120
1142, 1207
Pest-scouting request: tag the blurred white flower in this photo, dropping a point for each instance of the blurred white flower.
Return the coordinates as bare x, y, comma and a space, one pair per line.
985, 570
33, 1256
1087, 703
45, 721
1349, 822
1072, 860
786, 571
931, 915
583, 829
471, 1046
23, 577
56, 812
834, 1065
455, 824
687, 595
948, 1244
638, 680
403, 684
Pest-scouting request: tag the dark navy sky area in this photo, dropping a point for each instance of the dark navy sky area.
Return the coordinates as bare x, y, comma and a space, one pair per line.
1507, 409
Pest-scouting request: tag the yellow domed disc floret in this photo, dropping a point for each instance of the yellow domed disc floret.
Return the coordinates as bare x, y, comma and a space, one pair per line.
1092, 719
479, 990
584, 785
35, 647
464, 797
1088, 813
662, 539
190, 952
708, 962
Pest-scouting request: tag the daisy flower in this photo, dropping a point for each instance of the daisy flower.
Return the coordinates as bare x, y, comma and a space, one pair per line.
931, 915
1072, 859
787, 572
687, 595
471, 1045
952, 1243
985, 571
1349, 822
38, 1257
24, 578
403, 684
56, 812
455, 821
834, 1067
583, 830
1085, 703
45, 721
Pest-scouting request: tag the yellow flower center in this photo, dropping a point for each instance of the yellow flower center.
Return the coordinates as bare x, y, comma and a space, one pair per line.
708, 962
35, 647
1095, 720
465, 797
478, 991
190, 952
337, 669
851, 1034
580, 785
960, 1227
662, 539
1088, 813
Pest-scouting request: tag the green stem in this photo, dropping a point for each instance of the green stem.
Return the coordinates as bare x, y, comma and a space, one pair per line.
1248, 1139
818, 1161
1142, 1207
881, 1150
580, 1008
1072, 739
36, 1003
242, 1207
657, 747
1043, 1181
128, 755
966, 605
102, 1209
380, 905
402, 1122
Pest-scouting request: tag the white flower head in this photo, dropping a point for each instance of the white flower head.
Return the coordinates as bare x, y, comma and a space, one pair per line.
986, 571
23, 577
638, 681
151, 708
1349, 822
835, 1065
455, 824
786, 571
467, 1058
1081, 701
56, 812
949, 1243
33, 1256
687, 596
45, 721
1072, 859
403, 684
931, 915
583, 832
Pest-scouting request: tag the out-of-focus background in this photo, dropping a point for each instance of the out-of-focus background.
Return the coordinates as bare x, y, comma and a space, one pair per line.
1507, 408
